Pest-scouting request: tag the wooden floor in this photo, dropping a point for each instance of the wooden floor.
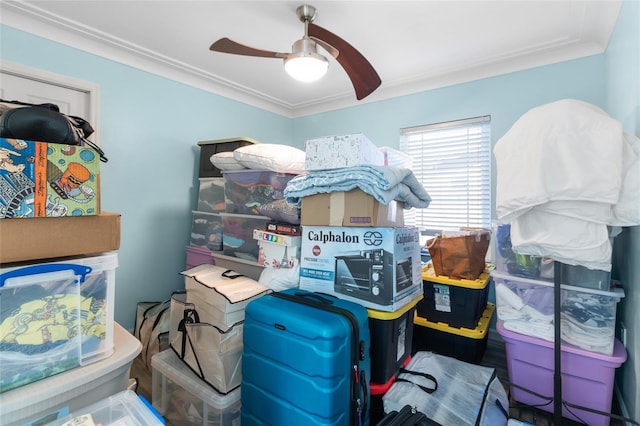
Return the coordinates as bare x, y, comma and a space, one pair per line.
494, 356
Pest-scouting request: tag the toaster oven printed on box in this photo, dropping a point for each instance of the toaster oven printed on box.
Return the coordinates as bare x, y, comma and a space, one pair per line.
39, 179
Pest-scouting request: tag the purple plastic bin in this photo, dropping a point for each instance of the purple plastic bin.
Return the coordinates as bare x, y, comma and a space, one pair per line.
587, 377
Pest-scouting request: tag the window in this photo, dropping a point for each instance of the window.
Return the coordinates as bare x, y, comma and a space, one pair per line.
453, 162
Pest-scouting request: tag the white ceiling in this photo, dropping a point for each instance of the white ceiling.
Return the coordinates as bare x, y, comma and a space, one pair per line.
413, 45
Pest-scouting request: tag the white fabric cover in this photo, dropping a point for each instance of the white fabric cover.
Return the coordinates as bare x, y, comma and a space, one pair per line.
627, 211
565, 150
566, 172
273, 157
565, 239
225, 161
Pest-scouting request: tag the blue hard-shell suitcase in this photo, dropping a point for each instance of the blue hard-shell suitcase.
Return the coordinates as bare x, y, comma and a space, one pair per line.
305, 361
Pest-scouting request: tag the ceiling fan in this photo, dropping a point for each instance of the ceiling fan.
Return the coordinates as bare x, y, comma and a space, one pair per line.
304, 63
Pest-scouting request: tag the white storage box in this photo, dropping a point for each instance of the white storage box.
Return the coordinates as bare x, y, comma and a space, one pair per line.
395, 158
72, 300
220, 295
182, 398
247, 268
72, 390
332, 152
379, 268
123, 408
276, 250
526, 306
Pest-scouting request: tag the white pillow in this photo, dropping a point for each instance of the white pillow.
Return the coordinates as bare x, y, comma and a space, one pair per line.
225, 161
273, 157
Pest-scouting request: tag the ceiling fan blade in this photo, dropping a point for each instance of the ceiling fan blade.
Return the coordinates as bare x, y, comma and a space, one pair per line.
363, 76
225, 45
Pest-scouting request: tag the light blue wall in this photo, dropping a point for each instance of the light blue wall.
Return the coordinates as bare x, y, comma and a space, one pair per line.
149, 130
505, 98
623, 103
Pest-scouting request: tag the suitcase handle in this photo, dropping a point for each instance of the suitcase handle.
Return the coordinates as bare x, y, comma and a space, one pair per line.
81, 270
314, 296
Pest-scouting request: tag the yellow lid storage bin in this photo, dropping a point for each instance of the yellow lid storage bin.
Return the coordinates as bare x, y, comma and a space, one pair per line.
459, 303
464, 344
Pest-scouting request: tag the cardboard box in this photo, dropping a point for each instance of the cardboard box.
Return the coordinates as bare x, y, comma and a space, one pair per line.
39, 179
276, 250
352, 208
376, 267
46, 237
332, 152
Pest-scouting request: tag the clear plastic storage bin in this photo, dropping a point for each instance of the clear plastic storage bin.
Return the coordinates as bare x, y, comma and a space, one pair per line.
526, 306
183, 399
55, 316
58, 395
123, 408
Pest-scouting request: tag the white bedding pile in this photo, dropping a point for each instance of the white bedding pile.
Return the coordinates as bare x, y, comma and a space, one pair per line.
566, 172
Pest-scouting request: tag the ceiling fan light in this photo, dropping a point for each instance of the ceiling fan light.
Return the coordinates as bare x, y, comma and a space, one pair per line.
308, 67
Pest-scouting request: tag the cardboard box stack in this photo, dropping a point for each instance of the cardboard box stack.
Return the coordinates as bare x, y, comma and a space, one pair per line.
57, 256
358, 249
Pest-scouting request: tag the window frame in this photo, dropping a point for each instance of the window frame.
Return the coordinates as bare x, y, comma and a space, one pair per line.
474, 156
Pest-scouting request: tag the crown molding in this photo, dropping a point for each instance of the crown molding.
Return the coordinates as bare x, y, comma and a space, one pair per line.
34, 20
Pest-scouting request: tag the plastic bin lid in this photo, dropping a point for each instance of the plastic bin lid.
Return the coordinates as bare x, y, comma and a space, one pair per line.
122, 408
477, 333
383, 315
429, 274
47, 392
616, 292
237, 139
619, 352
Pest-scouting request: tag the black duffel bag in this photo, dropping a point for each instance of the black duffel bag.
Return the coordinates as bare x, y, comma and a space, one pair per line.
44, 123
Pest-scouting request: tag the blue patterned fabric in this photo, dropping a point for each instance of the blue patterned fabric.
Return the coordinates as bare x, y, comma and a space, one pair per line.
384, 183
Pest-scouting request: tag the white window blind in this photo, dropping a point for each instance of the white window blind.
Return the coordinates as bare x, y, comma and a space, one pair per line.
453, 162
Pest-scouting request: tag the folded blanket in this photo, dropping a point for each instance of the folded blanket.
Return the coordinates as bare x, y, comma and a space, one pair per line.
384, 183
